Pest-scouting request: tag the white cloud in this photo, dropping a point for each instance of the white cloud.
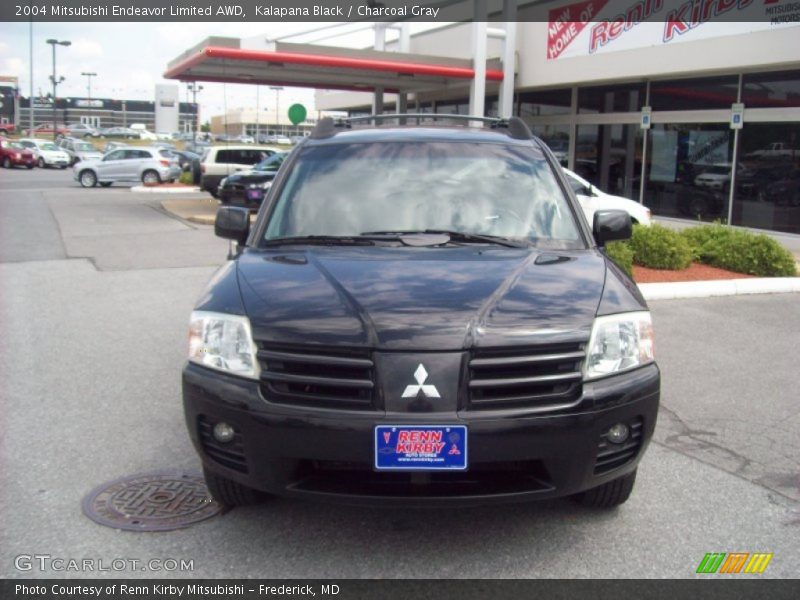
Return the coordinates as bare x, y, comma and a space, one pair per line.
83, 48
13, 66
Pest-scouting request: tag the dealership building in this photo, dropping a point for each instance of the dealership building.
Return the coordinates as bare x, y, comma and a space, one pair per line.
695, 120
165, 113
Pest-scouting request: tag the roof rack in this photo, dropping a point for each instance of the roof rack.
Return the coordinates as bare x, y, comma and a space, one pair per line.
328, 127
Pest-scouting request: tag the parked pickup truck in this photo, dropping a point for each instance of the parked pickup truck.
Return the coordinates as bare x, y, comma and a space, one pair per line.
774, 150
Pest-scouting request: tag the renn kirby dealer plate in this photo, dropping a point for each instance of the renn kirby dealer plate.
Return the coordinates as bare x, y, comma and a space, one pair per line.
420, 447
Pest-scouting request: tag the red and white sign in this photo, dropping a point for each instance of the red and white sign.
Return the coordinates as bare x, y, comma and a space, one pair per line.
599, 26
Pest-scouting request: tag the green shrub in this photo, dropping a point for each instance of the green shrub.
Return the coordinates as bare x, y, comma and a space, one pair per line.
622, 254
186, 177
739, 250
660, 248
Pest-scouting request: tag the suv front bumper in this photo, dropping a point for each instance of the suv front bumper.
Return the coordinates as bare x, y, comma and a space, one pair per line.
328, 454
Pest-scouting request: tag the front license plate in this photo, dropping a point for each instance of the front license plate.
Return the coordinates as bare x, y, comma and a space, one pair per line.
420, 447
254, 194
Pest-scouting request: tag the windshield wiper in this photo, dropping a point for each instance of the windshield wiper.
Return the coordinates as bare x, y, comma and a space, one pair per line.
321, 240
456, 236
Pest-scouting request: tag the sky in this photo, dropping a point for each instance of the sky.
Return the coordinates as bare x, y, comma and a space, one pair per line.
130, 58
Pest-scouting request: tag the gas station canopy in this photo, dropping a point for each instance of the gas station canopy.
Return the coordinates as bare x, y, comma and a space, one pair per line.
323, 67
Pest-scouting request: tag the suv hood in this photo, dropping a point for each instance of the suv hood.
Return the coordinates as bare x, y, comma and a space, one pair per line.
421, 298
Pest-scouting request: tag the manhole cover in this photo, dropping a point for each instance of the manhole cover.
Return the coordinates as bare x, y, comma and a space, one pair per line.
151, 502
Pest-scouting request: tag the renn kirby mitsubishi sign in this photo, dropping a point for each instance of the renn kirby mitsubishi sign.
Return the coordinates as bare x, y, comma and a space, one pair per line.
598, 26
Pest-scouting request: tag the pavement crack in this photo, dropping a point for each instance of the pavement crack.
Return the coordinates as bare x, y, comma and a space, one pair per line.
697, 443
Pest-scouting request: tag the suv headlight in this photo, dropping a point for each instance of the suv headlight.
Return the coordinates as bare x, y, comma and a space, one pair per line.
223, 342
619, 343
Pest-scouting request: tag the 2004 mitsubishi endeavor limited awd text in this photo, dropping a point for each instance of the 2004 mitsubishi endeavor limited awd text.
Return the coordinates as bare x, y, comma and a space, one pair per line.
421, 315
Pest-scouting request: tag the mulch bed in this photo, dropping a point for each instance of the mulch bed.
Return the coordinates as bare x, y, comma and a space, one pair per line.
695, 272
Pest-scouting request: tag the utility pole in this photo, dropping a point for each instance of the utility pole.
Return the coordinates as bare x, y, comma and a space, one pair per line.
89, 88
257, 140
278, 90
55, 81
195, 89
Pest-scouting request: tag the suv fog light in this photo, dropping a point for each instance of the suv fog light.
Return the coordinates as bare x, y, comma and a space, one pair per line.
223, 432
616, 435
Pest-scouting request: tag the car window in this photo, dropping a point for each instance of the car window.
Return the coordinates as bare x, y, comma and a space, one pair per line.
115, 155
231, 156
27, 144
272, 163
253, 157
49, 146
576, 185
137, 154
84, 147
492, 189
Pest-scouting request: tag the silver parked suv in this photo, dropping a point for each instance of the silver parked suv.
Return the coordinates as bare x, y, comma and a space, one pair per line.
79, 150
129, 164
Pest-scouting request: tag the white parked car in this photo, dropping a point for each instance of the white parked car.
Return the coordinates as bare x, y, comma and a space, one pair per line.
715, 177
46, 153
592, 200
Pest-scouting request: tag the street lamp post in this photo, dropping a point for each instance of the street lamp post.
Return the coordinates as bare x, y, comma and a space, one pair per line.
195, 89
257, 108
89, 89
278, 90
55, 81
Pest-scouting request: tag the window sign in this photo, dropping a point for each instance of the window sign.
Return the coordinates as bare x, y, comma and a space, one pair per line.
708, 147
646, 116
664, 161
737, 115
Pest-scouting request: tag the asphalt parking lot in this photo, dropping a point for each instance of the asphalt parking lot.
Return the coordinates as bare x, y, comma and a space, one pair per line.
95, 291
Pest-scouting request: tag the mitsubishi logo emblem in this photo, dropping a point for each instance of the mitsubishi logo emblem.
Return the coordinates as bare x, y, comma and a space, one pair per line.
427, 390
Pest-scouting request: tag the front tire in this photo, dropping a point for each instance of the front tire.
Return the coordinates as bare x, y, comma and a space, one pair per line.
150, 178
609, 494
87, 179
230, 493
6, 163
41, 163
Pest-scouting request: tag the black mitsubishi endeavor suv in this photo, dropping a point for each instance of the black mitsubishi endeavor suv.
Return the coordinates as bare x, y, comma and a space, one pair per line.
420, 314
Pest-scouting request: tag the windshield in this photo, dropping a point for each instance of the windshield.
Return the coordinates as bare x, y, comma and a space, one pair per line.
483, 188
85, 147
271, 163
49, 147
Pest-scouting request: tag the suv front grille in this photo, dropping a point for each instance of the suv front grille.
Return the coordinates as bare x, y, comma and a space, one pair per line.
546, 377
317, 377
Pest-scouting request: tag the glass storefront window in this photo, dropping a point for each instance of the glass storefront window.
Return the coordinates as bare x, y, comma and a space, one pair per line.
610, 157
694, 94
544, 103
616, 98
767, 194
771, 90
688, 170
557, 138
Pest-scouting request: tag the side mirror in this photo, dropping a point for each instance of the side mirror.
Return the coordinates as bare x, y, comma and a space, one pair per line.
611, 225
232, 223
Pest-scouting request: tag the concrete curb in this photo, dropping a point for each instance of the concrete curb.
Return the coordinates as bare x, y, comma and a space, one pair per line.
724, 287
201, 219
154, 189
